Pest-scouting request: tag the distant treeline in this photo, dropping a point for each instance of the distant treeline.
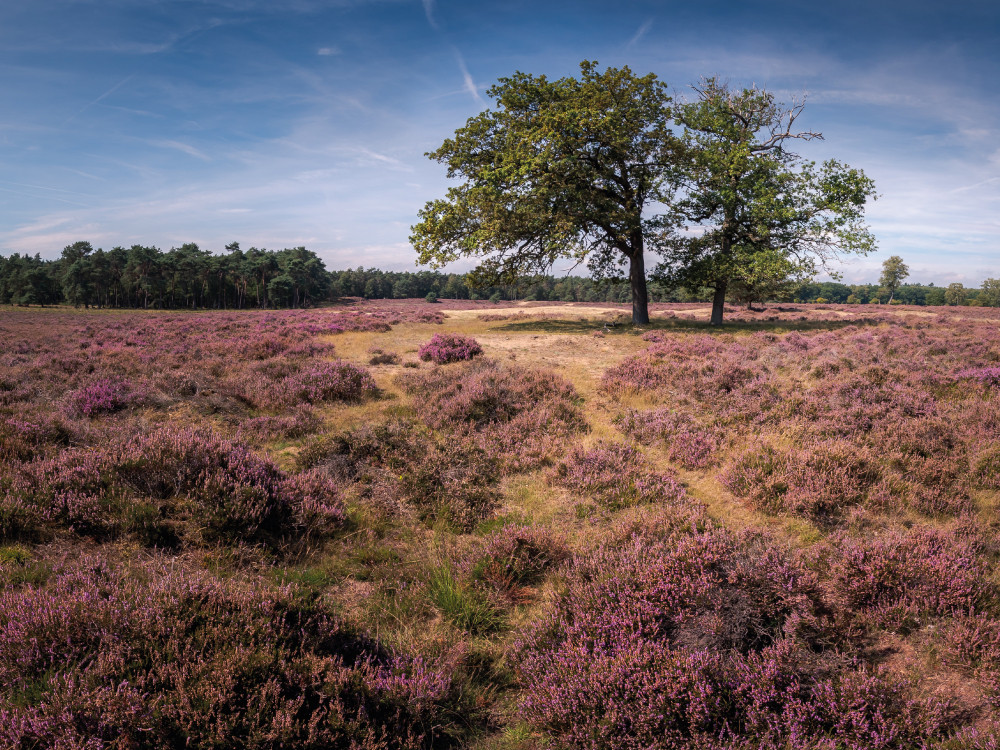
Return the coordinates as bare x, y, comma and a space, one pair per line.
189, 277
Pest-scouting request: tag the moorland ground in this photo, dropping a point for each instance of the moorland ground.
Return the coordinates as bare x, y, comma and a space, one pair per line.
402, 524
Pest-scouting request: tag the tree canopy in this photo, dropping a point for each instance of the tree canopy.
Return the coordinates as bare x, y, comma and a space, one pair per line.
590, 169
746, 198
894, 270
559, 169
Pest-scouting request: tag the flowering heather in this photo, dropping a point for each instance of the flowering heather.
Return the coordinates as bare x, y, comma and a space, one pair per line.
989, 376
520, 417
873, 434
680, 436
819, 482
332, 381
103, 396
449, 347
233, 493
615, 475
706, 641
729, 378
299, 423
971, 643
104, 655
902, 578
400, 463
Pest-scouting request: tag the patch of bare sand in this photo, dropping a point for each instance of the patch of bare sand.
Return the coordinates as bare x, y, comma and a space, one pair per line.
581, 359
570, 311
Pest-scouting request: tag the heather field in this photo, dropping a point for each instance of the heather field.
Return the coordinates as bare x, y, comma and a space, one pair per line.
398, 524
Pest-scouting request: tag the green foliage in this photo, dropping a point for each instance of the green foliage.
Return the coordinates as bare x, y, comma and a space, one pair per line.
751, 196
894, 270
989, 295
955, 294
182, 277
559, 169
463, 606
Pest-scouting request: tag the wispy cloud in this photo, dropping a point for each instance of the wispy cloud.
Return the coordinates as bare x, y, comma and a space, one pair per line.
328, 51
429, 12
99, 99
470, 84
640, 33
183, 148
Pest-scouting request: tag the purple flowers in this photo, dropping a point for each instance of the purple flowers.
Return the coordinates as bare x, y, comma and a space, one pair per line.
331, 381
449, 347
103, 396
615, 475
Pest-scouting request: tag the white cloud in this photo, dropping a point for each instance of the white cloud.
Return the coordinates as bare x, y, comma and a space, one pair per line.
183, 148
328, 51
470, 84
640, 33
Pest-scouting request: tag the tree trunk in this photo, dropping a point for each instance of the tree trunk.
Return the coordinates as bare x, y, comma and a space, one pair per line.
718, 303
640, 297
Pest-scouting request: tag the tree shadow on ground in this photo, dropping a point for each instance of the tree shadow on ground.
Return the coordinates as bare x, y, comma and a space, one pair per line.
679, 325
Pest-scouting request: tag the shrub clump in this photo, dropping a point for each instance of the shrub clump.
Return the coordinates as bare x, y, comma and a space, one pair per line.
139, 657
615, 475
521, 418
706, 640
103, 396
449, 347
818, 482
684, 440
901, 579
331, 381
398, 462
152, 483
515, 556
381, 357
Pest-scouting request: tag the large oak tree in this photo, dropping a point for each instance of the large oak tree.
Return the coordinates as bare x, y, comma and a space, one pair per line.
559, 169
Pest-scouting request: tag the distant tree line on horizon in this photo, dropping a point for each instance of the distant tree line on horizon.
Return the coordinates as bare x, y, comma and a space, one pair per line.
193, 278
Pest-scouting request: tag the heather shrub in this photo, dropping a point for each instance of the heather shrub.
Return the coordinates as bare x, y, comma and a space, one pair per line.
706, 640
69, 490
987, 376
397, 462
521, 418
902, 578
452, 480
971, 643
986, 467
300, 422
679, 435
819, 482
615, 476
236, 494
331, 381
726, 377
103, 396
141, 658
382, 357
150, 484
449, 347
517, 555
22, 439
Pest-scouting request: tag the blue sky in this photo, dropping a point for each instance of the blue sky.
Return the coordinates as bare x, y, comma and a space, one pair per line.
282, 123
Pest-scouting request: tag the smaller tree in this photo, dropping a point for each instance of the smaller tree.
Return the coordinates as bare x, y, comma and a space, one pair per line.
955, 294
990, 294
894, 270
763, 276
743, 192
